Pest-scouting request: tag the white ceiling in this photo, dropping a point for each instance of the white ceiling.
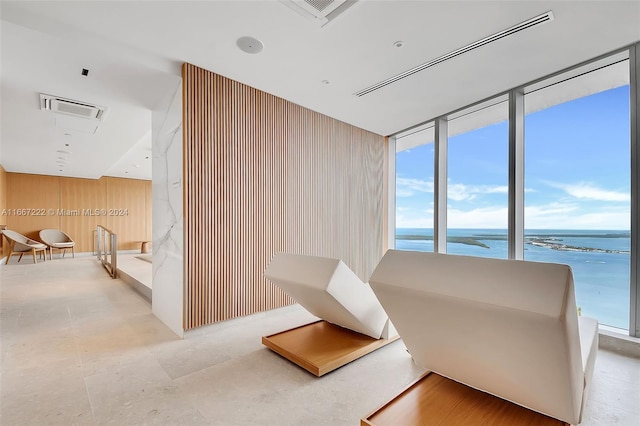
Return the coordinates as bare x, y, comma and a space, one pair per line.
134, 51
34, 63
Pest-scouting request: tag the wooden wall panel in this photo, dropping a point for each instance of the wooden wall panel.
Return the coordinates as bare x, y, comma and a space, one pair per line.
3, 207
84, 196
77, 206
261, 176
148, 214
127, 211
36, 200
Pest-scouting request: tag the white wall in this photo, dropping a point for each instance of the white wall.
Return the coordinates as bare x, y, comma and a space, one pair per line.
168, 234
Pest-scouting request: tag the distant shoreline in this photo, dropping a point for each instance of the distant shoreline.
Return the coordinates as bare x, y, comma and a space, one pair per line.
556, 245
545, 240
470, 241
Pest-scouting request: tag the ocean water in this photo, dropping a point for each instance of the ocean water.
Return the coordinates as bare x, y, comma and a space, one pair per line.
600, 261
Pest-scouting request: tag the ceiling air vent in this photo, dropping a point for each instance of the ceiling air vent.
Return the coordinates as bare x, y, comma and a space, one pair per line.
533, 22
71, 107
322, 11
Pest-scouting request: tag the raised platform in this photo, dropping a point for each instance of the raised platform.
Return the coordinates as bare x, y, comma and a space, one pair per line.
322, 347
137, 270
437, 400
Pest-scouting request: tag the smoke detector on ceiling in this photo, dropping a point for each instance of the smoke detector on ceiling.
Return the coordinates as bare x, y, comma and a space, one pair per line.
322, 11
70, 107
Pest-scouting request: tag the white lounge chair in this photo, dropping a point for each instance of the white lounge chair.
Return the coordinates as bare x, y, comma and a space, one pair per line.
508, 328
331, 291
19, 244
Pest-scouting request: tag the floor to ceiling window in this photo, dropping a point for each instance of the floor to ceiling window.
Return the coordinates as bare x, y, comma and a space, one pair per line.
577, 181
414, 189
477, 181
577, 172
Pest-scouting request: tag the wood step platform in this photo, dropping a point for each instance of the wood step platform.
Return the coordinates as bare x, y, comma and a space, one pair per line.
437, 400
321, 347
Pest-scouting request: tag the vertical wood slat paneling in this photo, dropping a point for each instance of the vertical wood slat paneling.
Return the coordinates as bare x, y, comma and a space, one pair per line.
261, 176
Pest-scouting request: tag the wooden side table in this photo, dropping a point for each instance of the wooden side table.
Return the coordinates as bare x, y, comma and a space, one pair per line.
145, 247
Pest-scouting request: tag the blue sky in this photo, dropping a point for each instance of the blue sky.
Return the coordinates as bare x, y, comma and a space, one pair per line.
577, 171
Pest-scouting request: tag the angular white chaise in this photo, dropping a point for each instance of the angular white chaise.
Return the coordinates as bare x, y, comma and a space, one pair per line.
508, 328
328, 289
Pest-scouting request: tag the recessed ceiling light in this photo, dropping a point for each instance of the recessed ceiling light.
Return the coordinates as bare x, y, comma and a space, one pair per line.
326, 82
398, 44
249, 44
146, 158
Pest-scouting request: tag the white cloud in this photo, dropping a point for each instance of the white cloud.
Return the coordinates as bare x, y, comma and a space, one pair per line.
414, 218
488, 217
404, 192
586, 191
547, 216
551, 209
491, 217
554, 215
462, 192
570, 216
407, 187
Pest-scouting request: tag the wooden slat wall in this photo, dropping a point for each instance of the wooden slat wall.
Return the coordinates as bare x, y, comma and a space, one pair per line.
261, 176
73, 194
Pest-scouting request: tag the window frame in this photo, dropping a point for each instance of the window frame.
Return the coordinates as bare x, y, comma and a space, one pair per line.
515, 232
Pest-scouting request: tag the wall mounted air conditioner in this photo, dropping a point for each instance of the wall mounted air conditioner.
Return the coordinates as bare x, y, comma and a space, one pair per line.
322, 11
71, 107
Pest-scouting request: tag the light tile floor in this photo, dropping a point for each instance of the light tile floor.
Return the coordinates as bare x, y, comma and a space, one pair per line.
80, 348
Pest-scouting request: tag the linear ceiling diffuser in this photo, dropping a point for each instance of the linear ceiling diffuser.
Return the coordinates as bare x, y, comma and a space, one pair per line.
533, 22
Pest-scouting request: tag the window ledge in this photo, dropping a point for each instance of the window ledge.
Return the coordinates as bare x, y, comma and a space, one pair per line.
616, 340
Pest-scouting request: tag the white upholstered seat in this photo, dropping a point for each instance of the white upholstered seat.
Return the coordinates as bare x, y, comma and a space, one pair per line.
331, 291
54, 238
509, 328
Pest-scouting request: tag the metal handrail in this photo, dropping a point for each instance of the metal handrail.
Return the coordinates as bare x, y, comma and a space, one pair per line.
107, 248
